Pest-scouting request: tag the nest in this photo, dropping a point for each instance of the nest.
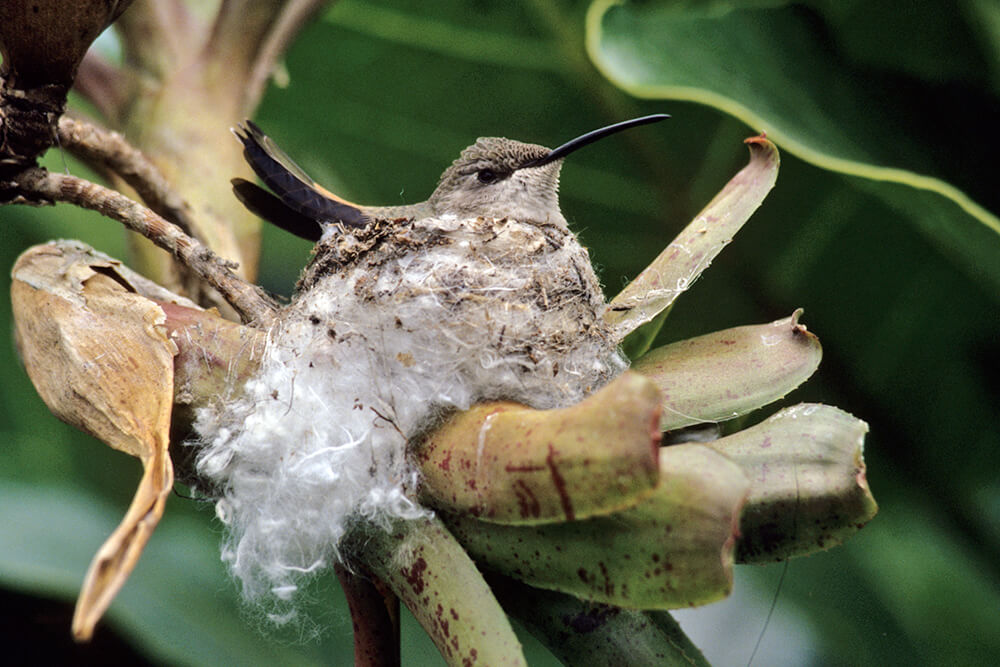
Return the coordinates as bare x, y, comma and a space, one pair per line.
392, 326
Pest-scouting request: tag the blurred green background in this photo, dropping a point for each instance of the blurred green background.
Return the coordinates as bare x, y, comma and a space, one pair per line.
898, 271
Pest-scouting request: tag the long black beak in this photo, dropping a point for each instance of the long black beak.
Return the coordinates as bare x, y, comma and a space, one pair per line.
591, 137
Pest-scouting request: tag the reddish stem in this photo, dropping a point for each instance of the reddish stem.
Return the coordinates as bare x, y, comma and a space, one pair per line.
375, 614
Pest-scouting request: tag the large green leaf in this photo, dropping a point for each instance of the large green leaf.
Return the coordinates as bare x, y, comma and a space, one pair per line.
767, 67
725, 374
903, 271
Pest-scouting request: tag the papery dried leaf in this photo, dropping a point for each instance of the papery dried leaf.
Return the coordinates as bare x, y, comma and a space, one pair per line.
507, 463
728, 373
96, 351
99, 356
680, 264
808, 488
117, 557
673, 549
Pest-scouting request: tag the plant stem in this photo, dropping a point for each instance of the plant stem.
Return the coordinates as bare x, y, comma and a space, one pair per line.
375, 616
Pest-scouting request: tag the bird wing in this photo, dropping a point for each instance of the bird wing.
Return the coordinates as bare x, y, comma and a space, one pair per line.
292, 186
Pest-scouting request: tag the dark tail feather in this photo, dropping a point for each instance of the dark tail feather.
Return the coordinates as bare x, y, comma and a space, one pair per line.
262, 203
290, 183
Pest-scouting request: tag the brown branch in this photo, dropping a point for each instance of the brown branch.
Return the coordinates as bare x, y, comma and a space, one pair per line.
27, 125
109, 150
249, 300
375, 616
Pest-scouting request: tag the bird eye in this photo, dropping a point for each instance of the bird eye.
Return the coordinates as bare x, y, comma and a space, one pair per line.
486, 176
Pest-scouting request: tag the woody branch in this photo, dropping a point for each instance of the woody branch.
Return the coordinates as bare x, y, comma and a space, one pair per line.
250, 301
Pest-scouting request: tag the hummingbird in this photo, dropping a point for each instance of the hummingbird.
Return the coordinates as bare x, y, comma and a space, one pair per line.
493, 178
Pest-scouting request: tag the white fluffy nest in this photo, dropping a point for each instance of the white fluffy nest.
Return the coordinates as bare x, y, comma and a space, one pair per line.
393, 325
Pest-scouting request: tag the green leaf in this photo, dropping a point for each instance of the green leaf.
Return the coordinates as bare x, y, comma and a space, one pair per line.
492, 45
680, 264
728, 373
766, 67
506, 463
673, 549
808, 488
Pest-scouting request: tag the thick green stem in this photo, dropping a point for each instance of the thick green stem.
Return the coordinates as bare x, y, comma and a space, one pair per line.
586, 633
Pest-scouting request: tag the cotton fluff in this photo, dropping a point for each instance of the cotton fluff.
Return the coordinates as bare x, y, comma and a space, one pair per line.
392, 326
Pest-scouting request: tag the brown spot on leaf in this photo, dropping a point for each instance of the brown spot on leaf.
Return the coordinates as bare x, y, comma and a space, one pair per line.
528, 504
590, 621
415, 575
560, 484
522, 468
609, 587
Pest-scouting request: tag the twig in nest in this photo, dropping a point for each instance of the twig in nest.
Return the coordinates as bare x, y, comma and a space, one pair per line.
249, 300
